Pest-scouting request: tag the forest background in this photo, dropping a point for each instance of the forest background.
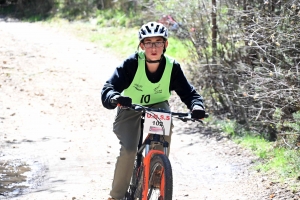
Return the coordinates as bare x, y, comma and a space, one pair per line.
242, 55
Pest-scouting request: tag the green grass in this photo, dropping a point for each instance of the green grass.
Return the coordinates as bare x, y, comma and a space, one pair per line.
118, 40
260, 147
228, 126
125, 41
282, 162
121, 40
285, 163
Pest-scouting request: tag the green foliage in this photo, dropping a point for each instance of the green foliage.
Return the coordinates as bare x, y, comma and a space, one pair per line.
7, 10
259, 146
177, 49
289, 129
123, 41
34, 18
277, 114
285, 162
28, 10
113, 18
107, 13
127, 42
228, 126
119, 40
295, 126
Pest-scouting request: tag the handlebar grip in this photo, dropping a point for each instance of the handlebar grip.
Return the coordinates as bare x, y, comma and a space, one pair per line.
115, 102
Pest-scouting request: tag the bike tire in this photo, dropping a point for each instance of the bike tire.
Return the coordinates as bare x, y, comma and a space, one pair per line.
137, 182
160, 178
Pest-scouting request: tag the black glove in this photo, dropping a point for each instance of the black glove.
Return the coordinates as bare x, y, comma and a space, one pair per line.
198, 112
123, 101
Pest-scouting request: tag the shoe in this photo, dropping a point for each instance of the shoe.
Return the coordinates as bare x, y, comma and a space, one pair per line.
111, 198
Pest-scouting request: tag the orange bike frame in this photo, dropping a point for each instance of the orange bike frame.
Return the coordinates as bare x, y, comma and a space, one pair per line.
146, 174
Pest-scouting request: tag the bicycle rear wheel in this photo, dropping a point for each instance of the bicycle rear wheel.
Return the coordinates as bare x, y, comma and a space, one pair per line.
161, 178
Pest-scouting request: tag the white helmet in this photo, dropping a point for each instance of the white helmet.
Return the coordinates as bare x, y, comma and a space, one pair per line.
152, 29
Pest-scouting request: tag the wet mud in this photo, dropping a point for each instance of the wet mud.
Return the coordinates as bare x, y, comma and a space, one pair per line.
19, 177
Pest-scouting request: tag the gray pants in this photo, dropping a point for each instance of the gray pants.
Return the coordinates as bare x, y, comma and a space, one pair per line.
127, 127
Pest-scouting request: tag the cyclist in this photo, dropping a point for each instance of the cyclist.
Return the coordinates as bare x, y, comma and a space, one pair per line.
146, 77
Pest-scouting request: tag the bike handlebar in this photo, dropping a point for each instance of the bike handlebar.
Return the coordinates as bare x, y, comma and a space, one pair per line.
179, 115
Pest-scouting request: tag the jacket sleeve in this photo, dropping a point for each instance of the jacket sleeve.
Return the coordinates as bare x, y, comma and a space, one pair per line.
120, 80
185, 90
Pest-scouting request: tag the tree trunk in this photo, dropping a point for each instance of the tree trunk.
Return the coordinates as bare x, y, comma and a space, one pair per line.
214, 28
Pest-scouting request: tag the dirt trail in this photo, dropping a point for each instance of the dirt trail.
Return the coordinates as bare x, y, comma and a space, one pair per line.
54, 128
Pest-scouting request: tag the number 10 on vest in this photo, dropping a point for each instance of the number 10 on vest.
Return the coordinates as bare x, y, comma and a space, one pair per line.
155, 121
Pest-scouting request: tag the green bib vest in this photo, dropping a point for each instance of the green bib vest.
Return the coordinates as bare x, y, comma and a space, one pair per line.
144, 92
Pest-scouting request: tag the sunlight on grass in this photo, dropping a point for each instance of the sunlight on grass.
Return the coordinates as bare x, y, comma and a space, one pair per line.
177, 50
285, 162
120, 40
227, 126
259, 146
125, 41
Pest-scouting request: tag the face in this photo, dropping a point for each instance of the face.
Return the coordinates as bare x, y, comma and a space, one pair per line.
153, 47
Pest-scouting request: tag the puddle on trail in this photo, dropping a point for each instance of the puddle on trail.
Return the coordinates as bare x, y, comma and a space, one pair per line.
18, 177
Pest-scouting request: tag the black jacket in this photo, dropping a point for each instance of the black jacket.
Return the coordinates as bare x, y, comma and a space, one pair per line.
124, 74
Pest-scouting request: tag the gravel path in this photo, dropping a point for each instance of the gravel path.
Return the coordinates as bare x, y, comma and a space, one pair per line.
58, 138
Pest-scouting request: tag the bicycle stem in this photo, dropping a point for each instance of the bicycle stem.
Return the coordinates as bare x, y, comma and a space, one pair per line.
156, 139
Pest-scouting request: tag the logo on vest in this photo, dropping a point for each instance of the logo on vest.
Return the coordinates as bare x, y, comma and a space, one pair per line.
157, 90
138, 87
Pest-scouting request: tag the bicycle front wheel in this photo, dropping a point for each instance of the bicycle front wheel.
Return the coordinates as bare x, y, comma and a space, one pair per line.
161, 178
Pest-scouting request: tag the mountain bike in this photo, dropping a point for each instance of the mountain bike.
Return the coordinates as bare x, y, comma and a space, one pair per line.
152, 177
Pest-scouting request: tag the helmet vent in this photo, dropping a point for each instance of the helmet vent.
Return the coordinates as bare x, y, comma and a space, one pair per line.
156, 29
148, 29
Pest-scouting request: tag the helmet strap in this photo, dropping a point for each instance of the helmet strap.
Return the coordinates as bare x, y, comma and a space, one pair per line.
152, 61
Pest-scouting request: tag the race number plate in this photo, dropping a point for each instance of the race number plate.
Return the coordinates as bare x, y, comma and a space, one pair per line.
154, 121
